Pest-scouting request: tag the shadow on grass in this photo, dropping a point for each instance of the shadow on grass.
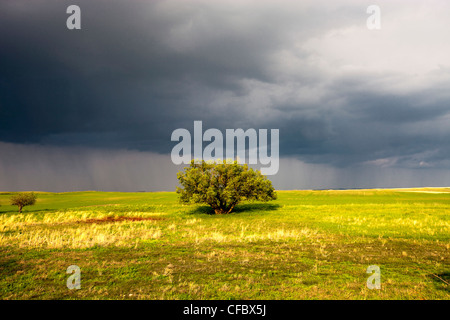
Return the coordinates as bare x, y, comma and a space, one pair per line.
24, 211
248, 207
442, 280
9, 267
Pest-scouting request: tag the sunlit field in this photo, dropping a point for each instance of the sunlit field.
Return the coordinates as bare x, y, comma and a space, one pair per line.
305, 245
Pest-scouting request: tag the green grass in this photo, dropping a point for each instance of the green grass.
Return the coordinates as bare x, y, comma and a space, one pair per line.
305, 245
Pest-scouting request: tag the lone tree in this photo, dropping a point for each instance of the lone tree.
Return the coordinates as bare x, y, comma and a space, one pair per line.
23, 199
222, 185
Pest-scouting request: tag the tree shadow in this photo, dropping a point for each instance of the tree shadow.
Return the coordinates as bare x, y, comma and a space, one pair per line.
242, 208
25, 210
441, 280
9, 267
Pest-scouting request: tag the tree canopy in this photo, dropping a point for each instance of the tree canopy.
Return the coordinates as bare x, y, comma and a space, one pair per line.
23, 199
223, 184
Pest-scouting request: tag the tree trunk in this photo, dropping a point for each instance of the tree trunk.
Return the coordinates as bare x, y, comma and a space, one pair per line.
20, 209
219, 211
222, 210
231, 208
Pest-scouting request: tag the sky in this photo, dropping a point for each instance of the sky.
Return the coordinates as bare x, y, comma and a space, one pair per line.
94, 108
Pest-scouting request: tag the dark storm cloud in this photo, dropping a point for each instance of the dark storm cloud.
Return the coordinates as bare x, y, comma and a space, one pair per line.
136, 70
340, 94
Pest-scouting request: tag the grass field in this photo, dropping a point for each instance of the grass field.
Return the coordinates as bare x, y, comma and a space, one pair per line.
305, 245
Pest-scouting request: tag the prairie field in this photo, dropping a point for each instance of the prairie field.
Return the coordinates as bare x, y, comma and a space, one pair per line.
304, 245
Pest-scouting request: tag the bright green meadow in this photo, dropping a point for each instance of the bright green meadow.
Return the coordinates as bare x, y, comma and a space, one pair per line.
304, 245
